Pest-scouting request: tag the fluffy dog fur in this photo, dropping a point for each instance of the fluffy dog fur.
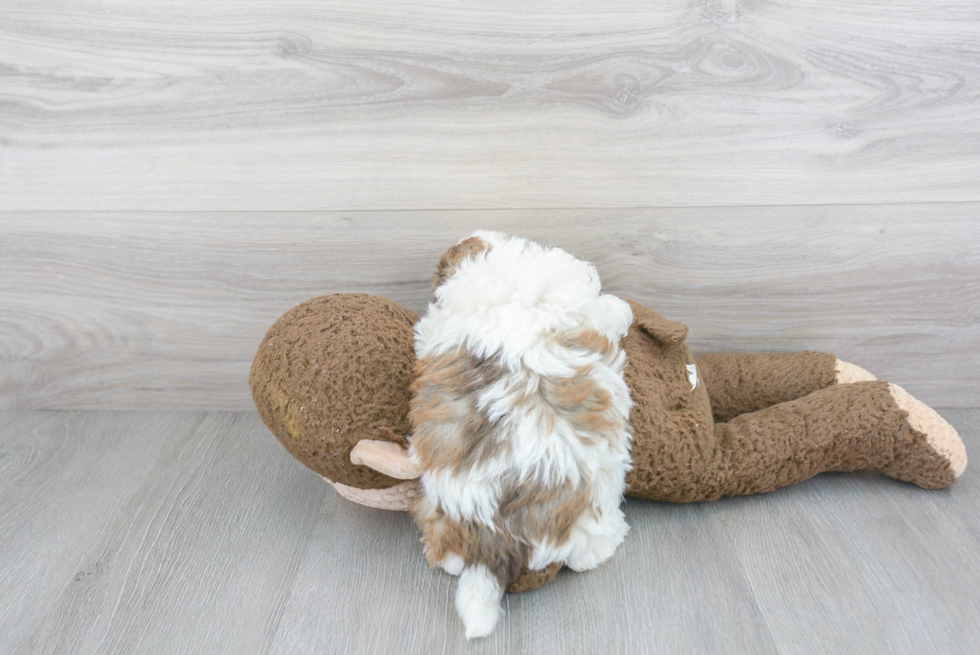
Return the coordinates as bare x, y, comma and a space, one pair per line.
519, 416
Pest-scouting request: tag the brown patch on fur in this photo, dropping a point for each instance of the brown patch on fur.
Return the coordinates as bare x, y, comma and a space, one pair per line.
591, 341
571, 391
452, 434
587, 407
499, 550
528, 512
449, 430
545, 512
456, 255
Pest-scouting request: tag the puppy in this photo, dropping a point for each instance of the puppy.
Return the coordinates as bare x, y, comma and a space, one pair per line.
519, 415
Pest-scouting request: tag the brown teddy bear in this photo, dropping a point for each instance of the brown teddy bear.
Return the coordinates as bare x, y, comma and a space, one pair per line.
333, 381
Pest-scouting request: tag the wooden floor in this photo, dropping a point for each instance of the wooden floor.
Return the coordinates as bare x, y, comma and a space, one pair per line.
191, 532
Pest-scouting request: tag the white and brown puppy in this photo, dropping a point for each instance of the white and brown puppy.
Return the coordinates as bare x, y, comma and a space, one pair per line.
519, 418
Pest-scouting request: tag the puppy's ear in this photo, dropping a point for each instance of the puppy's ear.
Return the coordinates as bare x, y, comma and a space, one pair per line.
456, 255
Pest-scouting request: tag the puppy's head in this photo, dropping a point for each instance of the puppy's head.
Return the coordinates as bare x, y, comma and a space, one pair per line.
480, 242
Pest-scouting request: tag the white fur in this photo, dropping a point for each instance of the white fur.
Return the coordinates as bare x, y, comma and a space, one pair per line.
505, 301
592, 543
510, 303
478, 601
452, 564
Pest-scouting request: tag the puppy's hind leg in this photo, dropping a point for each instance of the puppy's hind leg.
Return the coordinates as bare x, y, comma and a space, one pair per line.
452, 564
594, 541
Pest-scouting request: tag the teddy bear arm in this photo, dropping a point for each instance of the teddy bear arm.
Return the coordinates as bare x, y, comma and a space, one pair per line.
739, 383
386, 457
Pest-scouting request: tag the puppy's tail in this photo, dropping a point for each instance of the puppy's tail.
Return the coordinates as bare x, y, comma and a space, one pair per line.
478, 600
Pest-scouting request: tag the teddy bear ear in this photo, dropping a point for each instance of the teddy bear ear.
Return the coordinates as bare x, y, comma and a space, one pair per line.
657, 326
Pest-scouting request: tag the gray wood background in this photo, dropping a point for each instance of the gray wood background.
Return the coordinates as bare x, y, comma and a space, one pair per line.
779, 175
196, 532
165, 310
449, 104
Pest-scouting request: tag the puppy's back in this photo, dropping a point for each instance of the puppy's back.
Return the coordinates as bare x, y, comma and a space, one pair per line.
519, 418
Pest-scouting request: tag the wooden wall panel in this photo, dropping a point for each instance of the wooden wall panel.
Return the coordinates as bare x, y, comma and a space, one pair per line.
395, 104
165, 310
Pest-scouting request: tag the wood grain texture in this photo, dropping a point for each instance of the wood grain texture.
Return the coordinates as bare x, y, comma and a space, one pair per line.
189, 532
398, 104
166, 310
351, 594
872, 554
207, 548
63, 480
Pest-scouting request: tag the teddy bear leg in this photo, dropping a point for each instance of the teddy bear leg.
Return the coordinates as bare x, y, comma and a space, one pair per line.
739, 383
845, 427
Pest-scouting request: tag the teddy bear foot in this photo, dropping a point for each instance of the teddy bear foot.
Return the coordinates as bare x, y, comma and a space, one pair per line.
937, 456
397, 498
847, 373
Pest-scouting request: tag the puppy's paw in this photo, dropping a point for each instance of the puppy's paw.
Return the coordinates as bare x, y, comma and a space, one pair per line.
452, 564
595, 542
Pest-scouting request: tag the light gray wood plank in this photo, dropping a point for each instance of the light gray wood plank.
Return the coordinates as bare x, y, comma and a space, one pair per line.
364, 588
201, 558
166, 310
673, 587
63, 479
831, 565
385, 104
859, 563
228, 545
952, 517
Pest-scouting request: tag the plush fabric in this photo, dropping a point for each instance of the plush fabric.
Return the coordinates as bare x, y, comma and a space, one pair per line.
339, 368
672, 427
739, 383
781, 428
332, 371
529, 580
